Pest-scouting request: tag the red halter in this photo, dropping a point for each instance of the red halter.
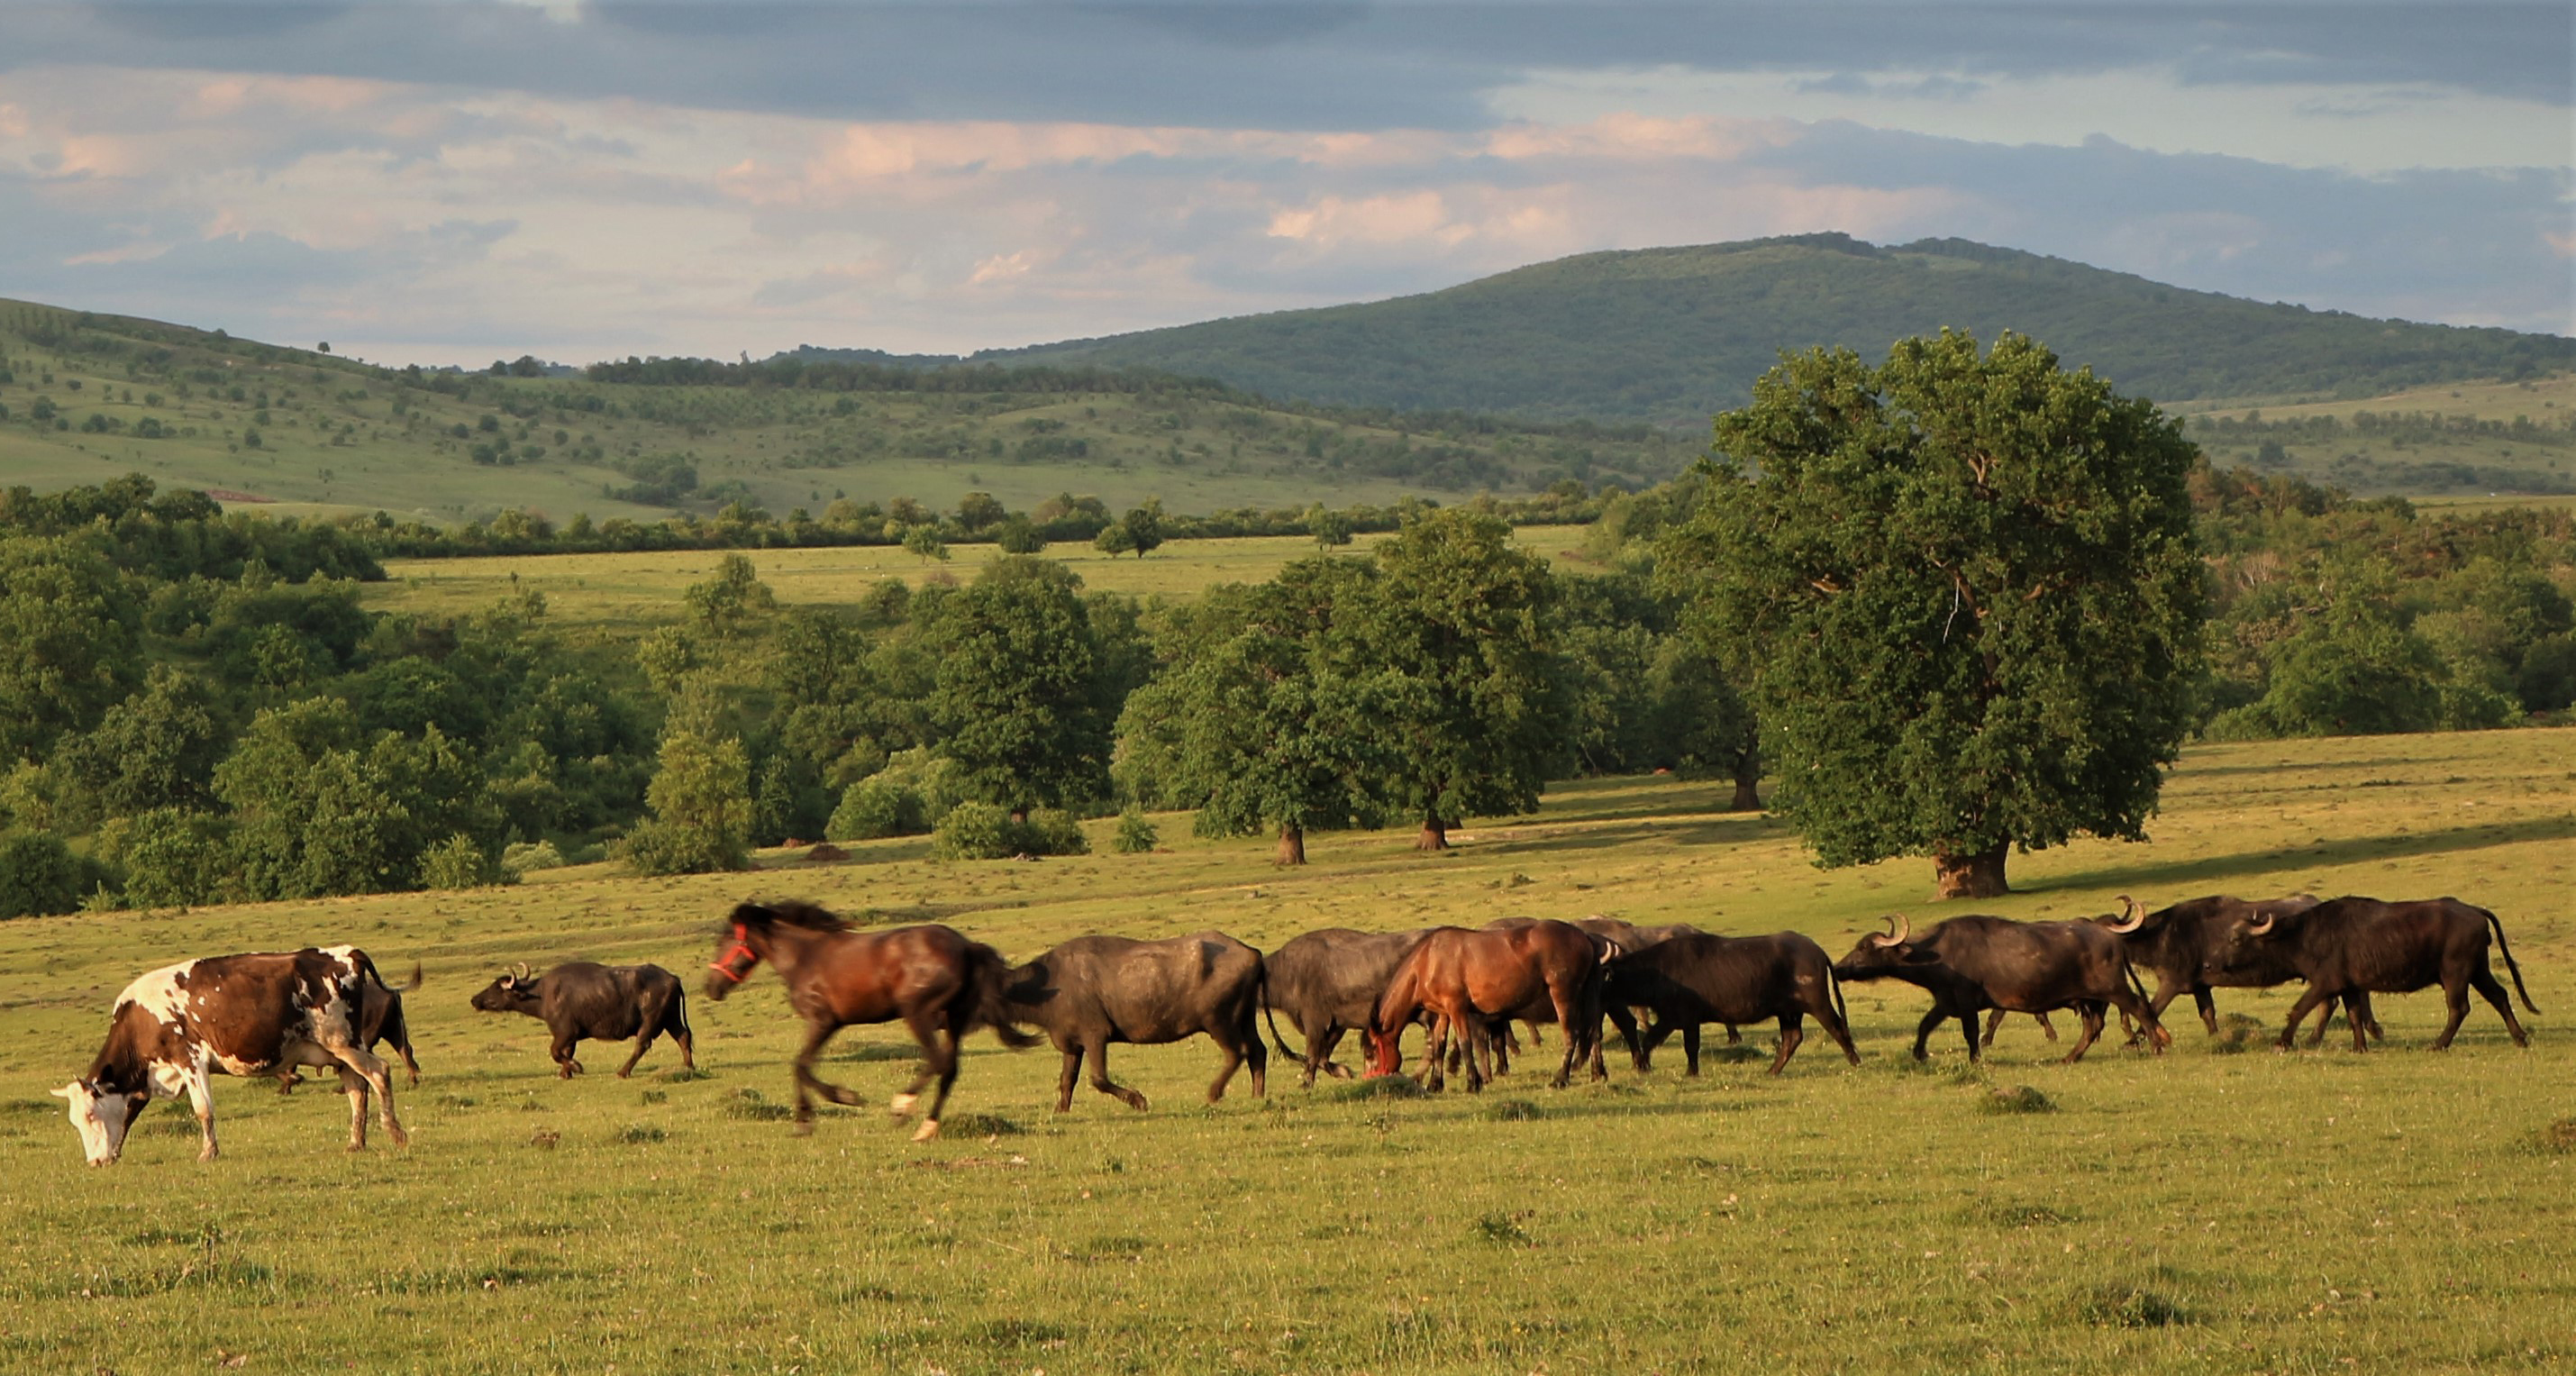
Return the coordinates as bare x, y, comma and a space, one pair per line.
741, 947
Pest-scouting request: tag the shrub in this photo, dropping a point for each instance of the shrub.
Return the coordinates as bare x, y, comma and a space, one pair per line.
173, 858
38, 874
975, 831
875, 807
654, 847
1135, 835
1053, 831
457, 863
527, 857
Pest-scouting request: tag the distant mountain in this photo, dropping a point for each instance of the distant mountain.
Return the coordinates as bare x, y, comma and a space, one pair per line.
1673, 334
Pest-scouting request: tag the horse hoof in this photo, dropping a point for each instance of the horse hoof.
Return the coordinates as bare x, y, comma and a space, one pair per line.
928, 1131
901, 1105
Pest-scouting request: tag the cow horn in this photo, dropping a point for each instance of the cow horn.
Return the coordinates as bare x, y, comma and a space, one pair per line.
2136, 917
1898, 928
524, 973
2261, 926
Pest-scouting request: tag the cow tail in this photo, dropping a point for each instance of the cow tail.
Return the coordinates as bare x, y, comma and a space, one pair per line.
2509, 964
987, 976
1834, 983
1277, 1042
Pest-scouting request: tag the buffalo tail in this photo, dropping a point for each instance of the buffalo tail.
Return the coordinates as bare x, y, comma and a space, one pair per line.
987, 976
2509, 964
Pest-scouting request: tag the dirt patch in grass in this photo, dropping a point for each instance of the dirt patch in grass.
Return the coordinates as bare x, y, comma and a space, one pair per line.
1381, 1087
980, 1125
2124, 1306
746, 1104
2557, 1139
2015, 1099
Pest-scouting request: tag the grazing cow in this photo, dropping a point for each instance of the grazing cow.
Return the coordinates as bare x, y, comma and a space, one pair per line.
1327, 982
248, 1015
1473, 980
1696, 978
578, 1000
380, 1021
2175, 941
1971, 964
2350, 948
940, 984
1095, 990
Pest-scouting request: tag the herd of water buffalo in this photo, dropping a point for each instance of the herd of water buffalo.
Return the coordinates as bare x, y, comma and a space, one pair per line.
268, 1014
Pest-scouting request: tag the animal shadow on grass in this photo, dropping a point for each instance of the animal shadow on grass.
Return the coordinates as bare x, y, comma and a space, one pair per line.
2207, 875
2110, 1304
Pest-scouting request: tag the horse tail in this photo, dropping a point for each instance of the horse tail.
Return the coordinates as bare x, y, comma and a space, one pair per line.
987, 976
2509, 965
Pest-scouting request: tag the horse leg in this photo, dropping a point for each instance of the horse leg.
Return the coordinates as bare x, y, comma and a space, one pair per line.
1435, 1053
942, 1047
1569, 1016
925, 1024
816, 1033
1098, 1052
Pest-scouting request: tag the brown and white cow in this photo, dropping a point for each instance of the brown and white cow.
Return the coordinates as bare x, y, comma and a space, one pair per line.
251, 1015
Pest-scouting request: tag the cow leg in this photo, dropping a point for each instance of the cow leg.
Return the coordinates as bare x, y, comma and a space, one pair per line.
354, 1085
2357, 1001
1994, 1020
1231, 1053
1626, 1022
1923, 1032
2455, 992
565, 1066
1099, 1054
1837, 1029
1733, 1034
287, 1080
1690, 1047
1064, 1082
2492, 990
201, 1097
642, 1044
2090, 1016
2201, 1000
1319, 1053
2137, 1011
2306, 1004
2046, 1028
371, 1073
1793, 1030
1968, 1029
2325, 1021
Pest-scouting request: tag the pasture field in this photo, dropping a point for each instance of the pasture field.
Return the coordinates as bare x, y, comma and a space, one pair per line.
2219, 1208
643, 589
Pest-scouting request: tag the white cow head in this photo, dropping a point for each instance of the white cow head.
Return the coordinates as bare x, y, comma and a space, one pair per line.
101, 1119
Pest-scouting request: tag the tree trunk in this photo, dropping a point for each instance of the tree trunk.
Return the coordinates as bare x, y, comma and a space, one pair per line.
1748, 771
1435, 835
1978, 875
1019, 816
1292, 845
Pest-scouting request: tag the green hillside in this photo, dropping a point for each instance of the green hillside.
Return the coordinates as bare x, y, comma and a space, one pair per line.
1671, 335
85, 397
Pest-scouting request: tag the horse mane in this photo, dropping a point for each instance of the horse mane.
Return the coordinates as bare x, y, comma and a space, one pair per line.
789, 914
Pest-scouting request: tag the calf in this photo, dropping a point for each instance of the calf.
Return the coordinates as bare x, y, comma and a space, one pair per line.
248, 1015
1971, 964
380, 1021
609, 1003
1696, 978
2351, 948
1095, 990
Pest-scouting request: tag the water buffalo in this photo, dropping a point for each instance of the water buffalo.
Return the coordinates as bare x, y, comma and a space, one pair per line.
1327, 982
1971, 964
2175, 941
1696, 978
579, 1000
2352, 947
1095, 990
1472, 980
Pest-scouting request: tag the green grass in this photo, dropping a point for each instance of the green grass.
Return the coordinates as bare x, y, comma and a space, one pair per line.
623, 591
338, 441
2317, 1212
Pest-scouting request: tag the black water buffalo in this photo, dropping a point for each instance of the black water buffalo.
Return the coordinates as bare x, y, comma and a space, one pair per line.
1697, 978
2174, 942
1971, 964
2350, 948
1327, 982
1095, 990
580, 1001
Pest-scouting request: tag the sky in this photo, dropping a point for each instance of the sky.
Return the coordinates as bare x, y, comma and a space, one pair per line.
453, 181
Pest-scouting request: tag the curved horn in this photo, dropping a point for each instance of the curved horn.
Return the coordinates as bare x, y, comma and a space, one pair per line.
523, 973
2137, 917
1899, 927
2261, 926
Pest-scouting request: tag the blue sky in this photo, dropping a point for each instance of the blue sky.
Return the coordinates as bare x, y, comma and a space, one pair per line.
436, 182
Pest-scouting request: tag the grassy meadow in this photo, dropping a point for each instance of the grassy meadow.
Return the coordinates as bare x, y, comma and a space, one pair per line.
2219, 1208
623, 591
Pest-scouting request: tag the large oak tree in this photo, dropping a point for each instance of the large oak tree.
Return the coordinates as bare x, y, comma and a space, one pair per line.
1965, 589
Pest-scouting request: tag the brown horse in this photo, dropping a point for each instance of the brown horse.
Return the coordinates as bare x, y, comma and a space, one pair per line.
938, 982
1472, 981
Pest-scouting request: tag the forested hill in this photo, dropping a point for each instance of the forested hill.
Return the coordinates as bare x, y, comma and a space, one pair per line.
1673, 334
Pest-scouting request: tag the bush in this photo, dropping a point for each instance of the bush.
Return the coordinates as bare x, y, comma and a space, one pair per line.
654, 847
457, 863
975, 831
527, 857
38, 874
876, 807
1135, 835
1053, 831
173, 858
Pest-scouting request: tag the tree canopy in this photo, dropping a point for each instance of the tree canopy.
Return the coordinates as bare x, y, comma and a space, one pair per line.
1967, 593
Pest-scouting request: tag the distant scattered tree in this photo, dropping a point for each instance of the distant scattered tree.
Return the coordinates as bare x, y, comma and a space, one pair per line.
726, 603
700, 798
1017, 536
1456, 620
923, 541
1144, 527
1330, 528
1016, 699
978, 510
1968, 595
1114, 540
